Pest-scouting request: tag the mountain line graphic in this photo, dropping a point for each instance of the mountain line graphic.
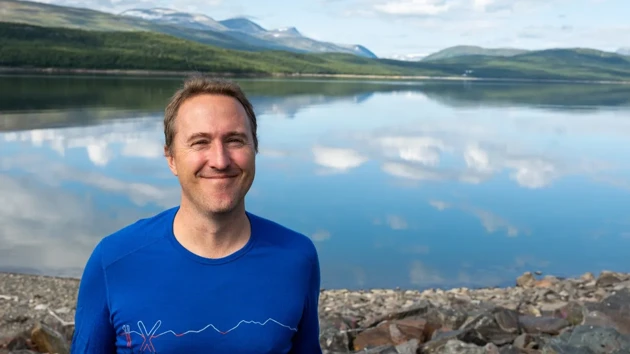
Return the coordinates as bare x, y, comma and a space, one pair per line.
148, 336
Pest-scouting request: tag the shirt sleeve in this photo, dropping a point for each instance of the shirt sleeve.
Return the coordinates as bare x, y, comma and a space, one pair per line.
306, 340
93, 332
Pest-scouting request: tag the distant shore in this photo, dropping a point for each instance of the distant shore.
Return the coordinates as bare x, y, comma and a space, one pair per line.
168, 73
538, 314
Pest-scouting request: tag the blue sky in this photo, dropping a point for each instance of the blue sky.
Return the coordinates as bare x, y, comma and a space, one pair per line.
402, 27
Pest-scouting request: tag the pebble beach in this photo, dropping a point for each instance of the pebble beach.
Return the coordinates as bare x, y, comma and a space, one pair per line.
539, 314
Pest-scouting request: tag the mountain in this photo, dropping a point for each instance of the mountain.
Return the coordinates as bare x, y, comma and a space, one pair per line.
243, 25
624, 51
46, 15
28, 48
249, 32
408, 57
561, 64
198, 22
463, 50
240, 34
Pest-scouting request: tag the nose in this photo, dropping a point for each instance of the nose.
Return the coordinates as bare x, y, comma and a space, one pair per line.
219, 157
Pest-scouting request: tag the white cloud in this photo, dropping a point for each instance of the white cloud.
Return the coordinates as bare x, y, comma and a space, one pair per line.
414, 7
489, 220
52, 230
420, 274
138, 137
426, 276
338, 159
423, 149
396, 222
439, 205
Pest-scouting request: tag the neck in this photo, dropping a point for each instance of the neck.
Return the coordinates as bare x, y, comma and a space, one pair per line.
211, 235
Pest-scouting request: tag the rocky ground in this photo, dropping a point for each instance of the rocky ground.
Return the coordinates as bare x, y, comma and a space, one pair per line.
587, 315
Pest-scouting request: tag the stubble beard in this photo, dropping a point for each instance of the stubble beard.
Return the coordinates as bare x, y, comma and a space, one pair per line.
206, 204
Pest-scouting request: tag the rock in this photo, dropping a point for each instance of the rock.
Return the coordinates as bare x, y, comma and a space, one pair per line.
613, 311
526, 280
391, 333
547, 325
563, 348
409, 347
596, 340
623, 285
386, 349
525, 341
18, 343
418, 310
486, 329
607, 279
406, 329
334, 334
47, 340
440, 338
547, 282
445, 318
573, 312
454, 346
373, 337
507, 320
510, 349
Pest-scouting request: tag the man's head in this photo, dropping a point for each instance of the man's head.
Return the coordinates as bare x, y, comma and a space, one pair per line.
211, 143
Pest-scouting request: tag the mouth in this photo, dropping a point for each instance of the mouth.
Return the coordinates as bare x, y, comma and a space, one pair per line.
222, 177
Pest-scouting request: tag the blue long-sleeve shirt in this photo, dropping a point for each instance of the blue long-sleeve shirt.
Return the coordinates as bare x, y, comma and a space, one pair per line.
143, 292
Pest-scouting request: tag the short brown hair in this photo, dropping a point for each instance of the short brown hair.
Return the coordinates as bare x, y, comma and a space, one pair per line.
198, 85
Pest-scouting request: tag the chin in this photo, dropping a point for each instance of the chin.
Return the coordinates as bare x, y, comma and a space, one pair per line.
221, 206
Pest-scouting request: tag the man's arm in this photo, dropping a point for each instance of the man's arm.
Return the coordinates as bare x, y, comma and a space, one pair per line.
306, 340
93, 332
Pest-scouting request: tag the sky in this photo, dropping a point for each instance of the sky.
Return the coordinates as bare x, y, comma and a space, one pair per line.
396, 28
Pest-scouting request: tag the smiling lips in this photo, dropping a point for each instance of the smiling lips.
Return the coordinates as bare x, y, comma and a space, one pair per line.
219, 177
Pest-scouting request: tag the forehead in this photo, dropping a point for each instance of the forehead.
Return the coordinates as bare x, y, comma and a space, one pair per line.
212, 114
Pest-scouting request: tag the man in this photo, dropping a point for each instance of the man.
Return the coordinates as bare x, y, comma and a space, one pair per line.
206, 276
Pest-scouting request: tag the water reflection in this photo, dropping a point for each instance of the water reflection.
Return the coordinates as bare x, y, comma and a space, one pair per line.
394, 187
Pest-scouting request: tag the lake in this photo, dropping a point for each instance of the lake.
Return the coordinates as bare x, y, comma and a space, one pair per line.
410, 184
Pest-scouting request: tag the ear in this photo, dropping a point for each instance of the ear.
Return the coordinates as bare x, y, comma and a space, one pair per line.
170, 159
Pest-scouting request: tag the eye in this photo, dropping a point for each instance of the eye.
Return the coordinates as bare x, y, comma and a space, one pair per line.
235, 141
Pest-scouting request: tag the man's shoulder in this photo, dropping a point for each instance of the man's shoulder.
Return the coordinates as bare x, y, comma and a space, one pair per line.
136, 235
275, 232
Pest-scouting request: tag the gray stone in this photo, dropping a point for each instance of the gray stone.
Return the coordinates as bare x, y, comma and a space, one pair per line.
510, 349
600, 340
613, 311
564, 348
454, 346
527, 280
485, 328
607, 279
334, 334
524, 341
409, 347
548, 325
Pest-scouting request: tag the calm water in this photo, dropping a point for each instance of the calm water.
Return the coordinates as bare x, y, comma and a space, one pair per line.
398, 183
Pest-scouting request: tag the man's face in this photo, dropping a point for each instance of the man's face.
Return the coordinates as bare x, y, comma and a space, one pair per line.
213, 153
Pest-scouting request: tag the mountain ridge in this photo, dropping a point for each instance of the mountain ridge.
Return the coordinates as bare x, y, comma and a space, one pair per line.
287, 37
37, 48
197, 27
466, 50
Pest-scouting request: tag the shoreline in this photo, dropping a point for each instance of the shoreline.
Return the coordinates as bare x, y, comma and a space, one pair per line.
175, 73
537, 315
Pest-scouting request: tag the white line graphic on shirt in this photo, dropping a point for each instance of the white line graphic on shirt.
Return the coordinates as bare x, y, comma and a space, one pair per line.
148, 336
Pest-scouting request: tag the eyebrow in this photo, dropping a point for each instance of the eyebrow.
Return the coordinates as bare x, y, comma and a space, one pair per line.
208, 136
